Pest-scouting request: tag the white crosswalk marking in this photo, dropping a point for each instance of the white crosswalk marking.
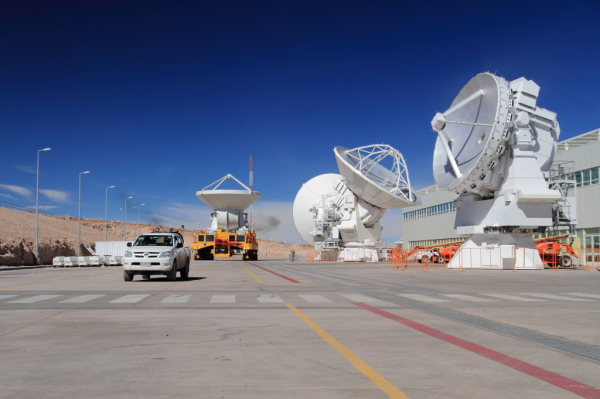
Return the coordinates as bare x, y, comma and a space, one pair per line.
176, 299
467, 298
561, 298
584, 295
222, 299
314, 298
33, 299
6, 296
130, 298
268, 298
83, 298
359, 298
423, 298
514, 298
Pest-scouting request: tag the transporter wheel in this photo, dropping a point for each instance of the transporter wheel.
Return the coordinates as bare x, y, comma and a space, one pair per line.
172, 274
183, 273
146, 276
127, 276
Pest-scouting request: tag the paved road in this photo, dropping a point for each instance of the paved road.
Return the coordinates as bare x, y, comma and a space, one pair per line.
271, 329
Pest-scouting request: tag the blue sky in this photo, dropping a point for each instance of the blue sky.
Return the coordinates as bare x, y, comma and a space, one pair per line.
163, 98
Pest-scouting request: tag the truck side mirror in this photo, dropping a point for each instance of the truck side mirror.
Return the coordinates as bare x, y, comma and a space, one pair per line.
179, 245
128, 244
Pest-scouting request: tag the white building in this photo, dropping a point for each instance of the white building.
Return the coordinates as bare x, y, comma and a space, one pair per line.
433, 222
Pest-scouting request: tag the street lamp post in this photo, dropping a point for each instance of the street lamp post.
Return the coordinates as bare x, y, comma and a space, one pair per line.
37, 205
79, 224
106, 215
139, 218
126, 217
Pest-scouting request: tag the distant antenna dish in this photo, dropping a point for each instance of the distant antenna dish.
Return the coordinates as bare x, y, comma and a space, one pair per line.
228, 199
372, 182
309, 195
228, 205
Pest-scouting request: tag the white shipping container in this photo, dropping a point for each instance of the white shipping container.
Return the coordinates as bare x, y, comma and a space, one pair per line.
111, 248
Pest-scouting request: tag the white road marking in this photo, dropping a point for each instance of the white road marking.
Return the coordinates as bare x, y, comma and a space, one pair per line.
176, 299
268, 298
314, 298
6, 296
82, 298
222, 299
33, 299
584, 295
359, 298
130, 298
514, 298
467, 298
419, 297
561, 298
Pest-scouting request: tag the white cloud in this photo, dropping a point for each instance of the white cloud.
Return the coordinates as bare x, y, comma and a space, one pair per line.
47, 207
7, 196
26, 169
56, 195
25, 192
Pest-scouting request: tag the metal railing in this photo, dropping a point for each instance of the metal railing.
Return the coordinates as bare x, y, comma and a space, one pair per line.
20, 208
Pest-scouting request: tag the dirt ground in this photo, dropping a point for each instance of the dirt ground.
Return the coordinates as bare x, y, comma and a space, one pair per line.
58, 237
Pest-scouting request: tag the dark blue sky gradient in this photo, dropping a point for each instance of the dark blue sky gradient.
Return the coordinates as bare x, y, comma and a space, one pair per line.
163, 98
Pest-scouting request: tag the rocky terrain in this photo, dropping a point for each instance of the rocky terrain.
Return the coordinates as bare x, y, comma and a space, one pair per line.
58, 237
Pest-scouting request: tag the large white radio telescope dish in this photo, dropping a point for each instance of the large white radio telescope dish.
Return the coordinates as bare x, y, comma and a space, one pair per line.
371, 181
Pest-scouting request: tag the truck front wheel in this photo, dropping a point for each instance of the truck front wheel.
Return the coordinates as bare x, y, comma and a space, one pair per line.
172, 274
127, 276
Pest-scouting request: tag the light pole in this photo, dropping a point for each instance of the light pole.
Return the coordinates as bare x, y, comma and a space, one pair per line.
139, 218
37, 204
79, 224
126, 217
106, 215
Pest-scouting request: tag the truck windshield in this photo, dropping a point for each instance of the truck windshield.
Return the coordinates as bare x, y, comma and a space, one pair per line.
145, 241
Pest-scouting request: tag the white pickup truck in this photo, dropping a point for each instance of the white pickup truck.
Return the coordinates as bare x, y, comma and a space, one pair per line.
157, 253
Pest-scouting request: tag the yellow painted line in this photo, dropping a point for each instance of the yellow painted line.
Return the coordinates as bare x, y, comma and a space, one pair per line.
363, 367
253, 275
52, 282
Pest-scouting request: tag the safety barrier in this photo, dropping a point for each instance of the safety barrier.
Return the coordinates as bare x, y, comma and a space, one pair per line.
323, 256
496, 258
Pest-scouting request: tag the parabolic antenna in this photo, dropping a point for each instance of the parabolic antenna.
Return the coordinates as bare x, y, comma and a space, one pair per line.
228, 199
470, 134
372, 182
310, 193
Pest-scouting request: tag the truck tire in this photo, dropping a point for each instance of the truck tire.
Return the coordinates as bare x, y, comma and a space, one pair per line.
146, 276
425, 259
172, 274
183, 274
127, 276
440, 259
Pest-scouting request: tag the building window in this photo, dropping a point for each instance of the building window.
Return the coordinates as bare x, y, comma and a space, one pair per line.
430, 211
586, 177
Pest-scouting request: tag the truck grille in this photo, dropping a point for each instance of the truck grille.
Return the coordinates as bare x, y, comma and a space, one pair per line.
150, 254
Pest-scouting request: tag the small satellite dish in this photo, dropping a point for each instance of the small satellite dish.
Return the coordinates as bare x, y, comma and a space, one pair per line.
371, 181
310, 193
470, 134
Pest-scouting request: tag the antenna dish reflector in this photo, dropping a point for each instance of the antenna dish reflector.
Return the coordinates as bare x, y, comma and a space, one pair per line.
228, 199
372, 182
470, 133
310, 193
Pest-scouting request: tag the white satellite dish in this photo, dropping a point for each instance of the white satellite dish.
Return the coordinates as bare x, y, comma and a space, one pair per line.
228, 205
342, 212
493, 147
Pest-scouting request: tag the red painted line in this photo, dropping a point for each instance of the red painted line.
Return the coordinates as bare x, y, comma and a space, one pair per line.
576, 387
277, 274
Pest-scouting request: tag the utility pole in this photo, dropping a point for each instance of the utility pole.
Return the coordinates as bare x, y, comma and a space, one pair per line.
37, 205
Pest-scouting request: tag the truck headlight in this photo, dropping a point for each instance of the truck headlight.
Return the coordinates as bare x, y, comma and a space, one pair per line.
129, 254
166, 254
